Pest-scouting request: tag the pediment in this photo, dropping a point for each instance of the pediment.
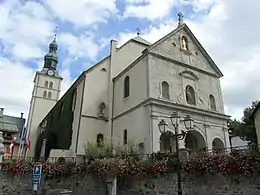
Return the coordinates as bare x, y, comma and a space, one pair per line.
194, 55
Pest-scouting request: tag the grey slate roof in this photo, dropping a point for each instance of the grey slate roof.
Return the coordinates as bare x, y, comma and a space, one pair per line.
11, 124
141, 40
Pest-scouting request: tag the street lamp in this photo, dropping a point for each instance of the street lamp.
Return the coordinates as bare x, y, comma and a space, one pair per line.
189, 125
230, 134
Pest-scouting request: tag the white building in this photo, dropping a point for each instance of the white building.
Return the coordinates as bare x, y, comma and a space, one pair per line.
124, 96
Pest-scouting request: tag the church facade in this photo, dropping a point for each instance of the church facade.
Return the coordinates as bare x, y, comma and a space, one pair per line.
124, 96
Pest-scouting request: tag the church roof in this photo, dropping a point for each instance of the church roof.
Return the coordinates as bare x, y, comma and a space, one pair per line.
11, 124
141, 40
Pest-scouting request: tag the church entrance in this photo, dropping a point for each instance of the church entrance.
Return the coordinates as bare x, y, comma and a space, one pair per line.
195, 142
167, 144
218, 146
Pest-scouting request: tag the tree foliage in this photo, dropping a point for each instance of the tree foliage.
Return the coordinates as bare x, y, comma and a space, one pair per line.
245, 128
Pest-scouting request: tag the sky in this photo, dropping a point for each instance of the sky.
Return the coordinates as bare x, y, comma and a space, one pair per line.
227, 29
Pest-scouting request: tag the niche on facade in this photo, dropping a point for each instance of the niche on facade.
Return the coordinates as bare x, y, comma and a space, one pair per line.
102, 110
190, 93
141, 148
184, 43
189, 75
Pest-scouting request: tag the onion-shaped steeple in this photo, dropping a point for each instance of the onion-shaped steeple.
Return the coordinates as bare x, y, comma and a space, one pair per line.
51, 58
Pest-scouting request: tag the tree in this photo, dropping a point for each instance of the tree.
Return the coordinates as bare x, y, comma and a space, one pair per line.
246, 128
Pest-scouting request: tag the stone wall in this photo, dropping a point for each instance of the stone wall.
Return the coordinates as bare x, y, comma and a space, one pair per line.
79, 185
191, 185
161, 185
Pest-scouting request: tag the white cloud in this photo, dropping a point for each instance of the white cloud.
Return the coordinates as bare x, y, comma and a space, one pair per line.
82, 46
199, 5
149, 9
24, 28
67, 80
16, 86
83, 13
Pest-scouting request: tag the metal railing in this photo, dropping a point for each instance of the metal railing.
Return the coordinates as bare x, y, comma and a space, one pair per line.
241, 150
58, 160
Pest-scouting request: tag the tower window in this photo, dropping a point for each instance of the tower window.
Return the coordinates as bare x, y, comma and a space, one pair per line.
51, 85
126, 87
165, 90
46, 84
44, 94
125, 137
49, 94
190, 95
212, 102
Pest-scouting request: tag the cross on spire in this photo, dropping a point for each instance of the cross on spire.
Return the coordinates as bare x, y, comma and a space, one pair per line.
180, 18
138, 31
55, 35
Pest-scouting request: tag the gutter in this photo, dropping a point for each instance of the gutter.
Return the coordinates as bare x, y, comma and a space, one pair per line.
112, 113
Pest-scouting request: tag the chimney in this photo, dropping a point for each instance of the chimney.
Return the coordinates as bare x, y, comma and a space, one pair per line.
21, 114
1, 112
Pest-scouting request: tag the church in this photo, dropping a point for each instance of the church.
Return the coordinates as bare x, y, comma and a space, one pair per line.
123, 97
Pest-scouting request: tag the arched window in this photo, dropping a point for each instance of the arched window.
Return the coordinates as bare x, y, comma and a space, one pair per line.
125, 137
51, 85
49, 94
46, 84
100, 139
165, 90
184, 43
126, 87
190, 95
212, 102
44, 94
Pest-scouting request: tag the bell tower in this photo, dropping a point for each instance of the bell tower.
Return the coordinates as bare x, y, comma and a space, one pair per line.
45, 94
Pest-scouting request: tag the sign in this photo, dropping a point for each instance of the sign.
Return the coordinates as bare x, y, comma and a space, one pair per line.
37, 173
37, 170
35, 187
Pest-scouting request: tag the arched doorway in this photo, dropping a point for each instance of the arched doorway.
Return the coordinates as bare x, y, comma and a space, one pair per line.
218, 146
166, 143
195, 142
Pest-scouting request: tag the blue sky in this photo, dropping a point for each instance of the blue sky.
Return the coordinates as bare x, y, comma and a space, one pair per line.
85, 28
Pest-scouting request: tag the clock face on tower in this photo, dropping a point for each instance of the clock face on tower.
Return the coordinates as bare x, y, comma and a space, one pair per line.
50, 72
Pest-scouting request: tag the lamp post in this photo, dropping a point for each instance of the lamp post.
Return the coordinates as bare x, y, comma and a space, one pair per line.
189, 125
230, 132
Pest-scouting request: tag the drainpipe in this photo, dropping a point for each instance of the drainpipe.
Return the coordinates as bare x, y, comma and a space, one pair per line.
111, 87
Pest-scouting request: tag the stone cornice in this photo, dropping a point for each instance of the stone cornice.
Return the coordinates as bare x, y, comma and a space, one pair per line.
167, 104
191, 109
